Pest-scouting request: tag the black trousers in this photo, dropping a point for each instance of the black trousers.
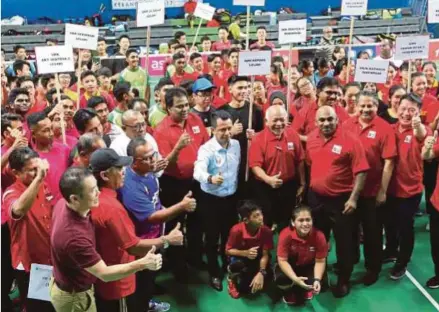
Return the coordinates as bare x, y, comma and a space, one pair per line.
31, 305
430, 175
368, 216
243, 270
173, 191
7, 270
434, 239
286, 284
218, 215
277, 204
399, 221
327, 215
131, 302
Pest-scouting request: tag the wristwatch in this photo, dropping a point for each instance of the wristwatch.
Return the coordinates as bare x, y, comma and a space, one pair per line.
165, 242
263, 272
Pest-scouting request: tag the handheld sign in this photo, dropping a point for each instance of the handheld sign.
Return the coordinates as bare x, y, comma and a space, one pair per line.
54, 59
204, 11
82, 37
433, 11
354, 7
40, 275
412, 47
254, 63
371, 71
292, 31
150, 12
249, 2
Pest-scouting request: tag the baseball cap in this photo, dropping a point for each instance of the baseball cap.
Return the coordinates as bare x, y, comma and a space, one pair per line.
202, 84
105, 158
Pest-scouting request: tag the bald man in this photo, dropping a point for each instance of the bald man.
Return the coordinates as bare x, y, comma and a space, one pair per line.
338, 171
276, 158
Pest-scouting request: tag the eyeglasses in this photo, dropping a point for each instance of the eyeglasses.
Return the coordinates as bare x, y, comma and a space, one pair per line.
138, 127
149, 158
204, 94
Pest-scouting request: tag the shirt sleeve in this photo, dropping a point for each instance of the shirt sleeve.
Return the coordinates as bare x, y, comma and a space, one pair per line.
163, 143
234, 238
388, 148
256, 155
299, 122
123, 229
322, 246
298, 148
268, 239
201, 173
283, 245
136, 200
359, 160
82, 251
9, 198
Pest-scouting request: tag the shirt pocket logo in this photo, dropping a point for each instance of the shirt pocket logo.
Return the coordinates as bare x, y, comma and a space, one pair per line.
336, 149
290, 146
408, 139
372, 134
219, 160
196, 129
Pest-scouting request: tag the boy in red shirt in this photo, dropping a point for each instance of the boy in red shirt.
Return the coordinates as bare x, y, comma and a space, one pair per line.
248, 246
179, 61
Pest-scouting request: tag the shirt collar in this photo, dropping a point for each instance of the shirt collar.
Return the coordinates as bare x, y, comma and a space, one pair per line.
270, 135
218, 146
296, 237
105, 191
246, 234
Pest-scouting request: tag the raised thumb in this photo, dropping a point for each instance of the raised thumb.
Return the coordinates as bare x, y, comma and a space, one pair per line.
152, 250
177, 227
279, 174
236, 121
189, 194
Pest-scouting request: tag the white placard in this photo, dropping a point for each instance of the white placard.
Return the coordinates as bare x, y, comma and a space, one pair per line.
412, 47
54, 59
371, 71
433, 11
131, 4
40, 275
292, 31
204, 11
82, 37
249, 2
354, 7
150, 12
253, 63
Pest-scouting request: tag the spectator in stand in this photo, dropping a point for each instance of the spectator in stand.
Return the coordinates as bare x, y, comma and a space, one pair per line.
179, 62
102, 47
100, 107
236, 44
430, 69
261, 34
215, 22
197, 63
223, 40
180, 36
90, 83
235, 29
55, 153
123, 94
21, 55
21, 68
135, 75
206, 43
338, 54
51, 42
363, 55
323, 70
27, 83
386, 52
160, 112
390, 115
327, 44
124, 43
87, 144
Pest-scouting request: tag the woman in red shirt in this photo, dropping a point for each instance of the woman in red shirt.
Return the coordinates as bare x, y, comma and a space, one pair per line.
275, 81
301, 258
384, 88
429, 69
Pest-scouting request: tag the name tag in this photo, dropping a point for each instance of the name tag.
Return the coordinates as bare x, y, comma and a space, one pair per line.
408, 139
196, 129
40, 275
336, 149
371, 134
290, 146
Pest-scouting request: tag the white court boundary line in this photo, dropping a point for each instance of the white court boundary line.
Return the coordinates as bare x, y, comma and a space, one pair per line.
422, 290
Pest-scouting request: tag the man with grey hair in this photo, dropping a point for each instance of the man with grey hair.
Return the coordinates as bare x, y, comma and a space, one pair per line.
338, 166
379, 142
87, 144
276, 158
327, 44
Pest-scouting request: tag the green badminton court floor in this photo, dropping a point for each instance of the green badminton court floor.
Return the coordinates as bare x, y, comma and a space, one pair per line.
386, 295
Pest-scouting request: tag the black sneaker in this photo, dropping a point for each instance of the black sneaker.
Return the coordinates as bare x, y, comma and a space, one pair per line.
370, 278
389, 256
433, 283
398, 272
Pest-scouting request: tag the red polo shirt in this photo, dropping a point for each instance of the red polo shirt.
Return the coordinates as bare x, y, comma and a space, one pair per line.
241, 239
39, 106
219, 45
219, 82
435, 196
189, 7
304, 250
30, 234
384, 89
430, 109
72, 131
110, 102
73, 249
335, 163
305, 121
379, 142
275, 155
178, 79
227, 73
70, 140
114, 235
168, 133
409, 167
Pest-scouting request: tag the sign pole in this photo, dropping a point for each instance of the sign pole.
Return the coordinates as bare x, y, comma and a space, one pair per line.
148, 43
247, 39
290, 59
351, 34
58, 95
196, 35
78, 84
409, 78
250, 125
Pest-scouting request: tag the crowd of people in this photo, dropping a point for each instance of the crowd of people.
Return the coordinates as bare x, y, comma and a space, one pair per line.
107, 188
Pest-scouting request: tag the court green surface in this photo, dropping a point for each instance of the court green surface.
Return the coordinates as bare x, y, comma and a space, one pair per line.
384, 296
